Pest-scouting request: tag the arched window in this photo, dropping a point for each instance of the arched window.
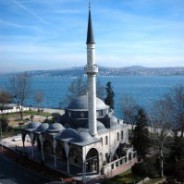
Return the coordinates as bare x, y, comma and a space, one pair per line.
102, 141
106, 140
121, 135
130, 156
117, 136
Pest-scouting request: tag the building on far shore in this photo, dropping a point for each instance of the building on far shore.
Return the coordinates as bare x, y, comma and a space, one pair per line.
90, 140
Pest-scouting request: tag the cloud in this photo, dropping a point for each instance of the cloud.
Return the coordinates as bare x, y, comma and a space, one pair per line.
2, 22
20, 5
68, 11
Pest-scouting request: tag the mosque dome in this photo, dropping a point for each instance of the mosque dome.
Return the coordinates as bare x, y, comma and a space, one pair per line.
33, 125
86, 136
43, 127
81, 103
71, 134
114, 119
55, 127
100, 126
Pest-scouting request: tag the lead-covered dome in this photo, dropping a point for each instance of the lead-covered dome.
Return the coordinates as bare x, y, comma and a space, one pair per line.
55, 127
100, 126
71, 134
42, 128
81, 103
86, 136
33, 125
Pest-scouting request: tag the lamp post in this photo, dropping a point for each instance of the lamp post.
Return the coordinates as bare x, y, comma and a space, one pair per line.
1, 133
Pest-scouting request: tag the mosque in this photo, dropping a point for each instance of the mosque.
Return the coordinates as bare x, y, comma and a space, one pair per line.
90, 139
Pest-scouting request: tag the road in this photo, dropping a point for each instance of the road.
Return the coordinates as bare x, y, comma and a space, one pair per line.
11, 173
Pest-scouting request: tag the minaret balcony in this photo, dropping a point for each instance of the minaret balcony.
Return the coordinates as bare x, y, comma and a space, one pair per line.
91, 69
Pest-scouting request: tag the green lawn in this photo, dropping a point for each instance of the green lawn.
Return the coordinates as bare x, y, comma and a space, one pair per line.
32, 113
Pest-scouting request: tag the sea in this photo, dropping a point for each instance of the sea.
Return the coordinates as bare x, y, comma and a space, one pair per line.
144, 89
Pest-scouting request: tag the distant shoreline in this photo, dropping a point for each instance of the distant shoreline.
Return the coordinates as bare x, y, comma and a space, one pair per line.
111, 71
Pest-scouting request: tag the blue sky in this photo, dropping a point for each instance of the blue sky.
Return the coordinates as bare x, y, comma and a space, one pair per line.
51, 34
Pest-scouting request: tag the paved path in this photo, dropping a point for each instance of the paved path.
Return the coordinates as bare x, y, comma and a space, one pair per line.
11, 173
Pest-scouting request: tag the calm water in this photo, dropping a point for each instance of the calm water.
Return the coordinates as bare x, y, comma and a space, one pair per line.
144, 89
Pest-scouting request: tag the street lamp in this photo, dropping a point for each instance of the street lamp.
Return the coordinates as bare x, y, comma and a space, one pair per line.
1, 133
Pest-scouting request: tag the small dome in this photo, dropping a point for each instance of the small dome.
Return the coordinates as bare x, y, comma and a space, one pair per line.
71, 134
114, 119
100, 126
81, 103
55, 127
43, 127
33, 125
86, 136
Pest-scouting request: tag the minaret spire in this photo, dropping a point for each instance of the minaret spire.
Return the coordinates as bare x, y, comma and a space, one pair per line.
91, 70
90, 35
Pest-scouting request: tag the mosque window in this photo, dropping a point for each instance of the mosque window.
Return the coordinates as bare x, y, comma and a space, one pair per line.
117, 164
69, 114
82, 114
106, 140
130, 156
102, 141
100, 113
117, 136
121, 135
112, 166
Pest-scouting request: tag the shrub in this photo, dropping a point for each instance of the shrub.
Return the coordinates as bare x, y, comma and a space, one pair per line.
4, 123
144, 169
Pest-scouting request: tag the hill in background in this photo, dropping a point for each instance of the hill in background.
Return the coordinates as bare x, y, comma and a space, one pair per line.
106, 71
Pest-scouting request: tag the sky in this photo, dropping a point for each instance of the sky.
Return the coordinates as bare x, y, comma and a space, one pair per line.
51, 34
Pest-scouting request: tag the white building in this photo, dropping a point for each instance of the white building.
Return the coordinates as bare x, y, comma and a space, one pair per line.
90, 137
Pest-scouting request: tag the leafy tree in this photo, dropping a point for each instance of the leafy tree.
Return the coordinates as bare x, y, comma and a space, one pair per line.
145, 169
20, 89
109, 100
141, 140
4, 99
177, 149
4, 123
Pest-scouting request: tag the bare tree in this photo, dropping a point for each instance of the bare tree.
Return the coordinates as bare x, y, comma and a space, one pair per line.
100, 89
160, 125
20, 89
129, 109
175, 101
39, 97
78, 87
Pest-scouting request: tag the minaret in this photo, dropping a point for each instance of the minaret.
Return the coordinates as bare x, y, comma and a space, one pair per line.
91, 70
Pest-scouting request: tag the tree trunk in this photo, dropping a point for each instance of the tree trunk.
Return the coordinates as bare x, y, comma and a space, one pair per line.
161, 162
21, 113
